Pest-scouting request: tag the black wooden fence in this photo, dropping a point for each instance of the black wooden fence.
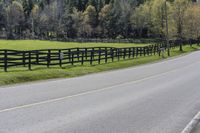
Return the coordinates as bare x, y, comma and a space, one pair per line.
72, 56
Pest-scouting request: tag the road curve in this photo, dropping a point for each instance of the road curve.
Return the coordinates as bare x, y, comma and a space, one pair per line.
155, 98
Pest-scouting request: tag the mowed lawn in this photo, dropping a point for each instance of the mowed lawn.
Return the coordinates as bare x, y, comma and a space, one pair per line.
22, 74
36, 44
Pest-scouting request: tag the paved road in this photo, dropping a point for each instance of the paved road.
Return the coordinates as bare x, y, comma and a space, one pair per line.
155, 98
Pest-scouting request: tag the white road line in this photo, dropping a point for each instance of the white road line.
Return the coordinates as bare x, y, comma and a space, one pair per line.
88, 92
193, 123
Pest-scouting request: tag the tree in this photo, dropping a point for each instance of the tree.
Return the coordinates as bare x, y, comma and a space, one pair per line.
2, 15
35, 17
141, 19
123, 9
191, 22
27, 6
77, 17
117, 18
104, 20
67, 24
179, 10
50, 20
89, 20
158, 16
14, 19
98, 18
90, 16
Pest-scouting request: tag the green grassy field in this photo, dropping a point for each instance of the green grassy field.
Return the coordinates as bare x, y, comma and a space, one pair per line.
36, 44
19, 75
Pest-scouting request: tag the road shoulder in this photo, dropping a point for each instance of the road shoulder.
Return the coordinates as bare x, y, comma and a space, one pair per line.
197, 129
193, 126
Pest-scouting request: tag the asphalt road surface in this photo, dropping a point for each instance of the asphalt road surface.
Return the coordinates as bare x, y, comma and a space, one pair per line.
156, 98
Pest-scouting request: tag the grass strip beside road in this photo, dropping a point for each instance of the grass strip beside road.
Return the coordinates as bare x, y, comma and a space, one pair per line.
20, 75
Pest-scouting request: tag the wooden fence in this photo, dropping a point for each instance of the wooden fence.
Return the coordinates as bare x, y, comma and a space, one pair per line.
73, 56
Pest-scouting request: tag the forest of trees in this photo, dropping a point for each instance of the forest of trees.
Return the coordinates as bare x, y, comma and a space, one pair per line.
45, 19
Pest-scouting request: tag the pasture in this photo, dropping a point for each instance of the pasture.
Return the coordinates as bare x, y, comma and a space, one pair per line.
37, 44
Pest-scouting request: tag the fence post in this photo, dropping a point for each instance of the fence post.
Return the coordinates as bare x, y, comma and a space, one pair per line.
23, 58
60, 58
158, 47
144, 51
106, 55
115, 53
82, 58
148, 50
112, 54
91, 56
118, 54
78, 54
37, 57
159, 51
137, 49
86, 53
29, 60
5, 60
124, 53
129, 52
99, 59
69, 55
154, 49
140, 51
133, 52
48, 58
151, 49
72, 58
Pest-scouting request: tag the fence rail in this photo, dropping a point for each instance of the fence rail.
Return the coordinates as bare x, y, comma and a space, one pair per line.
72, 56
